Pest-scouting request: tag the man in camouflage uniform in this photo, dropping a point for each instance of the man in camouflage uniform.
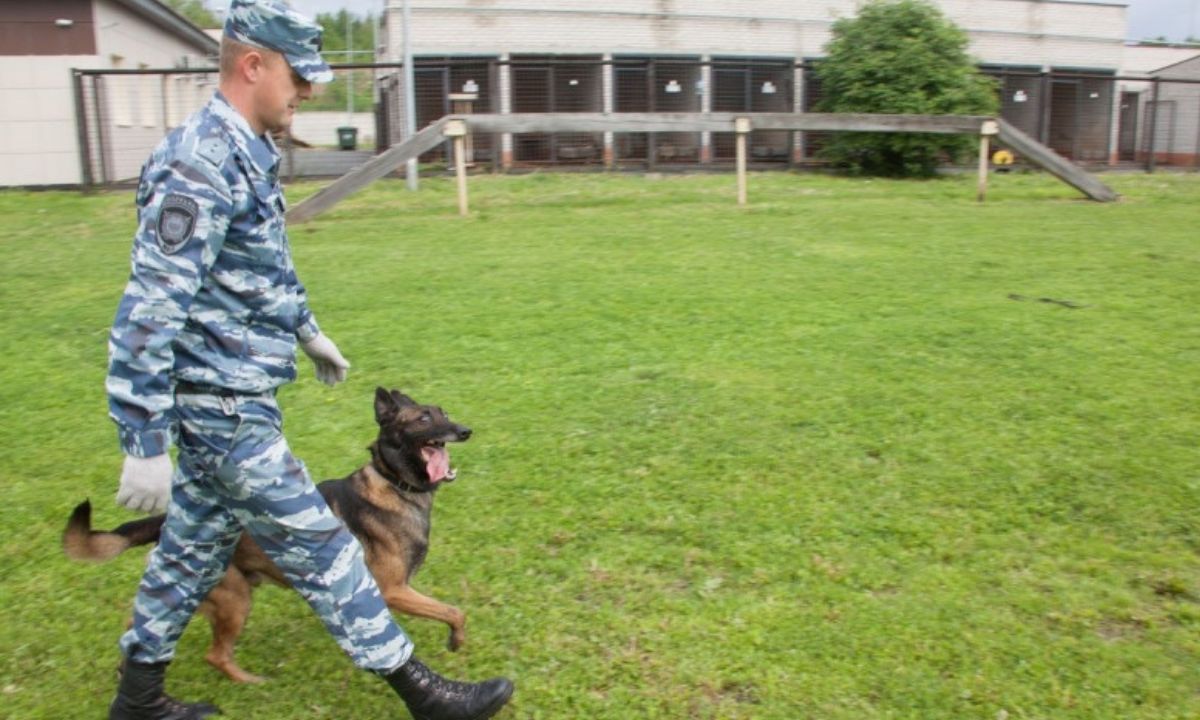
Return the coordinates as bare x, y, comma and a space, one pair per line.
205, 333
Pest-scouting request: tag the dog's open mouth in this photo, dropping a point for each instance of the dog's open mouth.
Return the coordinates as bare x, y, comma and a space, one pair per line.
437, 463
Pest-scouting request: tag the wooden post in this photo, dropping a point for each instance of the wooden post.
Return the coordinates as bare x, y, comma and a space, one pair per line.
457, 129
742, 127
464, 104
986, 132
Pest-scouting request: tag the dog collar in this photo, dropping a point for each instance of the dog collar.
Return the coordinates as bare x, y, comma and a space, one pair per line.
381, 468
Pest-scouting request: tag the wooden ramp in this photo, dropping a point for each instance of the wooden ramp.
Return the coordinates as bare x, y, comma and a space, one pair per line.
435, 134
1055, 164
367, 173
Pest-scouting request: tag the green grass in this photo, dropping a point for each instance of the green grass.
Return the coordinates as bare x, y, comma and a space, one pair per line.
807, 459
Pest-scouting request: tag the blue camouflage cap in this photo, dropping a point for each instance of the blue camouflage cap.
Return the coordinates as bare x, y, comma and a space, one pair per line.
272, 25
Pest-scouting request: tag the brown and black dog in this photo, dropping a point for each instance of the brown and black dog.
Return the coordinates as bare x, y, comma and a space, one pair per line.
386, 504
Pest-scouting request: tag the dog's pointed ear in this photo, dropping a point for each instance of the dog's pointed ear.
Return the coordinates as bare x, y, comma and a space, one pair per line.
401, 399
385, 406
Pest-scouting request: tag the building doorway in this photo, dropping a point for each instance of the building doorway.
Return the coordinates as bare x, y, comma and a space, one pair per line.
1127, 130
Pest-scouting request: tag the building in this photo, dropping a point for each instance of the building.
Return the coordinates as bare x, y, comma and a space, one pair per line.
42, 43
87, 87
1139, 111
1174, 114
738, 55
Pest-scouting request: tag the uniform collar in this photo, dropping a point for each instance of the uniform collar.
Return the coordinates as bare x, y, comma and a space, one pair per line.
260, 150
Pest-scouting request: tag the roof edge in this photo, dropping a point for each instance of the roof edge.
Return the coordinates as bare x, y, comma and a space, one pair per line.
167, 19
1180, 62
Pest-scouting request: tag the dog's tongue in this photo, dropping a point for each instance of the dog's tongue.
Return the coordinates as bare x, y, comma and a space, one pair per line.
437, 462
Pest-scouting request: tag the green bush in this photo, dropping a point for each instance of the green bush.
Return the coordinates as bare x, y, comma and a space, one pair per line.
900, 56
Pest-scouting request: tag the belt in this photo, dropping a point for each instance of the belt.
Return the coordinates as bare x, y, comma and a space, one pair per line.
184, 387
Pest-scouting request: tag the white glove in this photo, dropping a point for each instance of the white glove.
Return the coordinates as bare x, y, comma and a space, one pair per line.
331, 366
146, 483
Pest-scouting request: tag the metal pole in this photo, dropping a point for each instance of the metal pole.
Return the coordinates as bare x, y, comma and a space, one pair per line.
652, 97
1045, 109
163, 91
1151, 162
291, 156
85, 152
376, 93
410, 94
742, 127
350, 75
100, 101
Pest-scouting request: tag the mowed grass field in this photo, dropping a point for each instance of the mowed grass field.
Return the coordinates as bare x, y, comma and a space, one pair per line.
865, 449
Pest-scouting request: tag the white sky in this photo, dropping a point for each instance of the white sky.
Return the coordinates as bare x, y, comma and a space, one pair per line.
1173, 19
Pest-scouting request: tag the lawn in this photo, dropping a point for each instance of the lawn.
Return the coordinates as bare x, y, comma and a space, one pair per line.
864, 449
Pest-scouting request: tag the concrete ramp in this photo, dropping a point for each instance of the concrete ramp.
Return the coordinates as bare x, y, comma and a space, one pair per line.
1055, 164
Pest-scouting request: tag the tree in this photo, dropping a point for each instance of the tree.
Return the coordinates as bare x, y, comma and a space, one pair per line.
333, 43
195, 11
900, 56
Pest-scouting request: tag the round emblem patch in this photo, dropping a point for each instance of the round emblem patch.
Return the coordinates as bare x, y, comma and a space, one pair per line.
176, 222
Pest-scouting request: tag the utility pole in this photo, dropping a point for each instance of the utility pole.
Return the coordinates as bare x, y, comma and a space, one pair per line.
350, 73
410, 94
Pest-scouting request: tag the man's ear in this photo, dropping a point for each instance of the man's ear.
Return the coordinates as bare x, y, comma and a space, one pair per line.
252, 65
385, 407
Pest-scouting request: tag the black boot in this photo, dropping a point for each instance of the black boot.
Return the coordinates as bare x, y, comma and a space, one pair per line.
140, 696
430, 696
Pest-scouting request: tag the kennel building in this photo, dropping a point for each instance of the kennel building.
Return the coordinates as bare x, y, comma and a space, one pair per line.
1055, 63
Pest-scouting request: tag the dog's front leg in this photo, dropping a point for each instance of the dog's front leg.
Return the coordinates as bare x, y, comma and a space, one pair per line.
409, 601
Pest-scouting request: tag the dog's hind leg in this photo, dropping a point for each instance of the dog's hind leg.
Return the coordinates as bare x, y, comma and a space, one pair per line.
226, 608
409, 601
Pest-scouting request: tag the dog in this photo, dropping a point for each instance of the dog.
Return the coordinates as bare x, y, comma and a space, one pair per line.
386, 504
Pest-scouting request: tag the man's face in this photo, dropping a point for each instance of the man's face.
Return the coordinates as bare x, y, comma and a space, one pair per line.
280, 93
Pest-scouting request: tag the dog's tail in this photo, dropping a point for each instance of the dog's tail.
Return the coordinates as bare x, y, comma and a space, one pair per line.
82, 543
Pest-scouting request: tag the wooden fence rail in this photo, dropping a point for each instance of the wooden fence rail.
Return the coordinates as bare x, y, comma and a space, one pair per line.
721, 122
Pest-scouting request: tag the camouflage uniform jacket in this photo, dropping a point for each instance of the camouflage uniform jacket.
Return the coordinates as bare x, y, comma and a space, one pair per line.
213, 296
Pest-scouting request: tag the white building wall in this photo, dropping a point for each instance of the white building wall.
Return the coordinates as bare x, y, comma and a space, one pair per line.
38, 138
1180, 108
38, 132
320, 127
1025, 32
143, 108
1144, 61
121, 32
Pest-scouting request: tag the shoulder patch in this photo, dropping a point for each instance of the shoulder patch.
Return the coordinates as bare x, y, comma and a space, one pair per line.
176, 222
213, 150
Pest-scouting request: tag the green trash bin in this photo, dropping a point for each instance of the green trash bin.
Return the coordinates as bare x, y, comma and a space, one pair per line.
347, 138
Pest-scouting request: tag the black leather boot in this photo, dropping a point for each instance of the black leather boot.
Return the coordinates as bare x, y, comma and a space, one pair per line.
140, 696
430, 696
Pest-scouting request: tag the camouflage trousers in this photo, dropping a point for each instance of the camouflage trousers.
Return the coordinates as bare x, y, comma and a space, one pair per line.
237, 474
